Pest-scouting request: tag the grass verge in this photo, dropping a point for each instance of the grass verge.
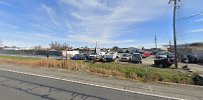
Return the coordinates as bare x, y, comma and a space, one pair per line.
143, 73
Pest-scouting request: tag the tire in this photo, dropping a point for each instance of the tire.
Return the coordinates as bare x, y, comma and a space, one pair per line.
160, 65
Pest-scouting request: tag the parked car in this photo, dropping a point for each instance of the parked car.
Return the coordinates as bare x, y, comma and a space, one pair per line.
193, 59
165, 62
98, 58
146, 54
86, 55
142, 53
161, 55
184, 58
136, 57
171, 56
93, 56
78, 57
109, 57
190, 58
125, 57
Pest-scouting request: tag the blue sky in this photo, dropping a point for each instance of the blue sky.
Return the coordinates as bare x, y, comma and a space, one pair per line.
124, 23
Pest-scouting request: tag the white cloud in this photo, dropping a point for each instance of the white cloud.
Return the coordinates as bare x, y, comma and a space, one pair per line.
34, 36
6, 26
119, 41
196, 31
91, 39
107, 19
42, 36
50, 12
83, 20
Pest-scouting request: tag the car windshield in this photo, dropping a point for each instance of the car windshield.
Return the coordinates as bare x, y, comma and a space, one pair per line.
136, 55
161, 53
77, 55
126, 55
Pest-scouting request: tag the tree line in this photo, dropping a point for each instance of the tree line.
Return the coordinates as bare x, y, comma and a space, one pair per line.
59, 46
54, 45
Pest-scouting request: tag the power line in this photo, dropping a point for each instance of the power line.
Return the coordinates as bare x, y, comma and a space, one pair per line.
194, 15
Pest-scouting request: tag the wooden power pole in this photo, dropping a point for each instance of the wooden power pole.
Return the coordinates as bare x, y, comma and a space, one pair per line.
174, 30
155, 40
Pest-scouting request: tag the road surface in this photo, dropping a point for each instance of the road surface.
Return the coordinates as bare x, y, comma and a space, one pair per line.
16, 86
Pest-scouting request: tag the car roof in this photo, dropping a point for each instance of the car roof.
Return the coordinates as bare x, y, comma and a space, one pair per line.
136, 53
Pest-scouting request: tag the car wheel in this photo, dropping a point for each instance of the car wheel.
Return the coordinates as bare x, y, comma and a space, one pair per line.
160, 66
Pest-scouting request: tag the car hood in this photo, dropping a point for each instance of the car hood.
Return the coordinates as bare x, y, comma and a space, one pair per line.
125, 57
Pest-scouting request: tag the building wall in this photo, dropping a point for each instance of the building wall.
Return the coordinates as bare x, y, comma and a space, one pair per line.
184, 51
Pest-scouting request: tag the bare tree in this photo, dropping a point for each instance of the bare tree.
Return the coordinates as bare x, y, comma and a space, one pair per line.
64, 46
55, 45
58, 46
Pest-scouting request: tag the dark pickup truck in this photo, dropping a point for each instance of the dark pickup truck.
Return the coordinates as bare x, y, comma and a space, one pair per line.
166, 62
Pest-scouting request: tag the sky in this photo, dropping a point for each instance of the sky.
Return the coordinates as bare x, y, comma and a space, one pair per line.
123, 23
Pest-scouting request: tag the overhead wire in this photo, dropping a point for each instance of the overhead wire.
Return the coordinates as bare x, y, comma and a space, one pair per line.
194, 15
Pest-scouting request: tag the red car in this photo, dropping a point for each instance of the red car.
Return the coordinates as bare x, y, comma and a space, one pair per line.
146, 54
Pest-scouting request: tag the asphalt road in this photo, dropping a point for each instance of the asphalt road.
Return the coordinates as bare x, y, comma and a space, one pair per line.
15, 86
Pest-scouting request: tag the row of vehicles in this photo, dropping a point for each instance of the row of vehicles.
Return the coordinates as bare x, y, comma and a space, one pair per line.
135, 57
99, 57
162, 59
166, 59
190, 58
110, 57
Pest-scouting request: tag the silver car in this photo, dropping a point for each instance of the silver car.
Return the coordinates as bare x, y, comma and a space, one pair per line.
125, 57
136, 58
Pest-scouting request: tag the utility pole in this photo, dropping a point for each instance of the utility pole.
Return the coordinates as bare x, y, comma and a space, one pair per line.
174, 30
96, 44
155, 41
96, 49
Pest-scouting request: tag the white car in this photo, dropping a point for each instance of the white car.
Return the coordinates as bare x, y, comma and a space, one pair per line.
110, 56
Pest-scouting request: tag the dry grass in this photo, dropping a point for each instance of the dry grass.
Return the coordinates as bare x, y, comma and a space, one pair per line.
70, 65
122, 71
